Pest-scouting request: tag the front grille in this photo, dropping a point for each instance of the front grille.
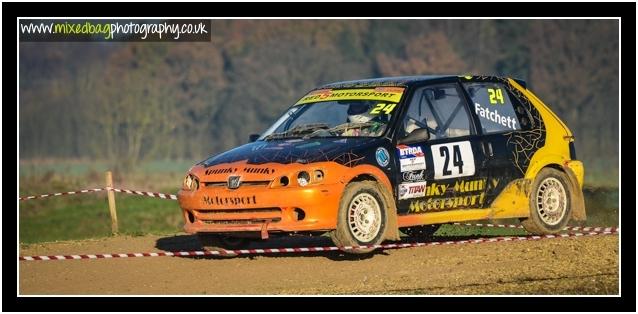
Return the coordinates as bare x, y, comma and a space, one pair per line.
239, 221
240, 211
255, 183
243, 183
238, 216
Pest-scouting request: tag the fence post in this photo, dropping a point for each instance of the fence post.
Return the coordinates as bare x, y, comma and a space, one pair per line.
111, 197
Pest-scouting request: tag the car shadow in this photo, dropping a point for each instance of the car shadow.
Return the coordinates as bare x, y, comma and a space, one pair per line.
191, 243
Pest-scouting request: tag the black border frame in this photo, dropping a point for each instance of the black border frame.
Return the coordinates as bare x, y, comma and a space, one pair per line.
626, 11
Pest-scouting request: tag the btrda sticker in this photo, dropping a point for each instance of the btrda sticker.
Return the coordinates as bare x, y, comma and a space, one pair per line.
411, 158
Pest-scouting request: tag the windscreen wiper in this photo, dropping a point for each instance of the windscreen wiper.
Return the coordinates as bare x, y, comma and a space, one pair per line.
299, 129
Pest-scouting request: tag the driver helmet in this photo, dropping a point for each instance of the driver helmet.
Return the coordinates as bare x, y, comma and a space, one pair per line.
359, 113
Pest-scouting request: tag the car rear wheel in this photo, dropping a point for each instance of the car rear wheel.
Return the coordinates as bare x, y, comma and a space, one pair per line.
361, 220
550, 203
221, 243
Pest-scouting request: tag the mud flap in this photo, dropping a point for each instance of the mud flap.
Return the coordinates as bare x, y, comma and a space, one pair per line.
392, 229
578, 200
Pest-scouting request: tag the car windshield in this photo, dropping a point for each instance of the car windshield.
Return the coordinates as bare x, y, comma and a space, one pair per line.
338, 113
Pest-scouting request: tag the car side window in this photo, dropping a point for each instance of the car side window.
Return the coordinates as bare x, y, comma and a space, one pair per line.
493, 106
441, 109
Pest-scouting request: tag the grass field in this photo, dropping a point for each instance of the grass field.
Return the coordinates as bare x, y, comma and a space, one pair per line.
86, 216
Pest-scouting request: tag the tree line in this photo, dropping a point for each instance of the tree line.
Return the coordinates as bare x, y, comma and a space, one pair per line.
127, 102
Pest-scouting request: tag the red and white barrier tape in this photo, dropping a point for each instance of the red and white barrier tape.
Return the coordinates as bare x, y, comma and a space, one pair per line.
568, 228
151, 194
24, 198
310, 249
174, 197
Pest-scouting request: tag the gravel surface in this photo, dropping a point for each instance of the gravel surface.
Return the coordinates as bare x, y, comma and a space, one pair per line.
571, 266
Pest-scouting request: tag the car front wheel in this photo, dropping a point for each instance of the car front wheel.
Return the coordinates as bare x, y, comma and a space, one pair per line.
361, 219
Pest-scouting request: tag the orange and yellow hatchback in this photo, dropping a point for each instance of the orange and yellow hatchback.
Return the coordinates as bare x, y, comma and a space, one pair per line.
366, 159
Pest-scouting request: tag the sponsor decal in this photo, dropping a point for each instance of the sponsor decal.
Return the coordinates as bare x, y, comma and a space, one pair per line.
465, 186
410, 151
381, 107
496, 96
412, 176
390, 94
412, 164
494, 116
439, 204
457, 195
390, 89
412, 190
323, 93
220, 171
411, 158
231, 200
436, 189
383, 157
453, 160
259, 170
461, 186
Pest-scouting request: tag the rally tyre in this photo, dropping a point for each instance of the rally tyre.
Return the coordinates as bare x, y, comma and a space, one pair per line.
550, 203
221, 243
421, 232
362, 217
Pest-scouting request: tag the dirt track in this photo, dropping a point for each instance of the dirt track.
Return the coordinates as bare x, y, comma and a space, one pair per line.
584, 265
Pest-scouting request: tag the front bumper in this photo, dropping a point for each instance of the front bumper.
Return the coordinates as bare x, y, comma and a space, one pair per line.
260, 209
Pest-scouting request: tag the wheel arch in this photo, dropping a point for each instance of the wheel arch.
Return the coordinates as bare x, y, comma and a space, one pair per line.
578, 211
542, 160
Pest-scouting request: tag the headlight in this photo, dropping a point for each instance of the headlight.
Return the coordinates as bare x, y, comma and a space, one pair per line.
303, 178
190, 183
318, 176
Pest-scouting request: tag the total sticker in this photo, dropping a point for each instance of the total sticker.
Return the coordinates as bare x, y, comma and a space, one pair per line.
412, 190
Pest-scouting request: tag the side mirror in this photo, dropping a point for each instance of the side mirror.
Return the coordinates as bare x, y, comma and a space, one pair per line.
253, 137
418, 135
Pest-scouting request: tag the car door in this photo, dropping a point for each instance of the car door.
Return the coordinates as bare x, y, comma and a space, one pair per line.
497, 121
446, 171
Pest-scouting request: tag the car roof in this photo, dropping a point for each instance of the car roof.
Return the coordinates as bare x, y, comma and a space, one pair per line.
394, 81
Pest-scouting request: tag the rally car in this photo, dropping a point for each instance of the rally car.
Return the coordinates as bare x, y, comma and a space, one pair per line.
364, 160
